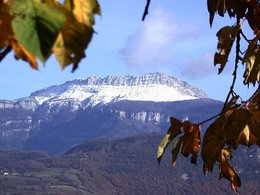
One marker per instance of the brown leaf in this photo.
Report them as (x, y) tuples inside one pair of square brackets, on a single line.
[(212, 7), (230, 7), (252, 71), (226, 37), (254, 126), (221, 7), (6, 35), (191, 140), (212, 145), (228, 172), (235, 124), (231, 103), (253, 16)]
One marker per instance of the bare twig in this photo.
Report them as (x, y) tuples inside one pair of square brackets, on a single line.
[(146, 9), (231, 90)]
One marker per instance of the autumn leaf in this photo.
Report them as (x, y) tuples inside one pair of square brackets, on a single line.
[(252, 71), (231, 103), (78, 31), (221, 7), (84, 11), (212, 7), (191, 140), (173, 131), (22, 53), (6, 35), (212, 145), (228, 172), (70, 45), (36, 26), (175, 149), (226, 154), (8, 38), (226, 37), (254, 125), (235, 126), (253, 16)]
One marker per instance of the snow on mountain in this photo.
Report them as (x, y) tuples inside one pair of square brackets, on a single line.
[(91, 91)]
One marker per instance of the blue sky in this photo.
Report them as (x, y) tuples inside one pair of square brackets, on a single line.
[(175, 39)]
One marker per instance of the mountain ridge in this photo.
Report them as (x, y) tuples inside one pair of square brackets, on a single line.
[(54, 118), (149, 87)]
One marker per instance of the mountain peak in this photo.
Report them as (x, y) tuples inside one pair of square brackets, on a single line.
[(158, 87)]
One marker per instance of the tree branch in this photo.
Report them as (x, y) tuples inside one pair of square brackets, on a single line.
[(146, 10), (231, 90), (5, 52)]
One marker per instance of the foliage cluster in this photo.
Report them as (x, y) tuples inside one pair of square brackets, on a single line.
[(239, 122), (35, 29)]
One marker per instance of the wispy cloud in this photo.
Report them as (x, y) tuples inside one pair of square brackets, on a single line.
[(201, 66), (153, 44)]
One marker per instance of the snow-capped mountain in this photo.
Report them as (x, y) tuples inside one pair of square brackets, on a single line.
[(111, 107), (157, 87)]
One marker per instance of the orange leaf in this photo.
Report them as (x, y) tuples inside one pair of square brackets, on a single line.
[(22, 53)]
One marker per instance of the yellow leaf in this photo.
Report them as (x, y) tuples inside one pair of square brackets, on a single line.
[(77, 33), (226, 154), (175, 149), (172, 132), (84, 11), (72, 42)]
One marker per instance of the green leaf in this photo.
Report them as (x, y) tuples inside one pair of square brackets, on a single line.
[(176, 149), (36, 25), (162, 146)]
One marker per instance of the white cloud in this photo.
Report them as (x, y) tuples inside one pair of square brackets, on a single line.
[(195, 68), (153, 44)]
